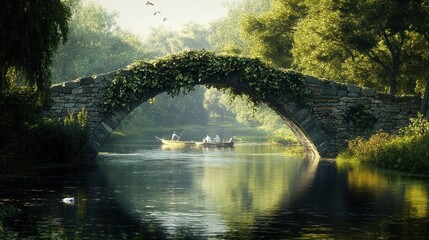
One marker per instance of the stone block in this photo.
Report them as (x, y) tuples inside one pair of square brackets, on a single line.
[(367, 92), (98, 78), (77, 90), (331, 91), (57, 89), (312, 80), (86, 81), (351, 88), (70, 85)]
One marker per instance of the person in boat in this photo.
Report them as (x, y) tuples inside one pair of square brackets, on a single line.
[(217, 139), (175, 137), (207, 139)]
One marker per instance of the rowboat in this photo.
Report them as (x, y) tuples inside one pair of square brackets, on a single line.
[(214, 144), (175, 142)]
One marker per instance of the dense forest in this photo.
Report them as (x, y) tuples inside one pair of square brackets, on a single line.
[(379, 44)]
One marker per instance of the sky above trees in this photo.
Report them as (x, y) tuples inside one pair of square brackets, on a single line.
[(139, 16)]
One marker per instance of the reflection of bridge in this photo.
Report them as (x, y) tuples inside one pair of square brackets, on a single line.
[(331, 114)]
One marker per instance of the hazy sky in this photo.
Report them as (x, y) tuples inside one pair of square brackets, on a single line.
[(139, 17)]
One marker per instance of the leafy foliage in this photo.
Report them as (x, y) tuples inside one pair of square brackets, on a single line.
[(271, 33), (164, 41), (30, 32), (95, 44), (405, 152), (418, 126), (228, 35), (179, 73), (28, 140)]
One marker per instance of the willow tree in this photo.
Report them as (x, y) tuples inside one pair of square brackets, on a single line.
[(30, 32)]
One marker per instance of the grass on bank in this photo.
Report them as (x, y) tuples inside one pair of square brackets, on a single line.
[(406, 151)]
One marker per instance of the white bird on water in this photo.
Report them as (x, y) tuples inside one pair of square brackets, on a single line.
[(68, 200)]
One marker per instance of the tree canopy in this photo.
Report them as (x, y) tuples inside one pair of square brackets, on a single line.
[(371, 43), (96, 44), (30, 32)]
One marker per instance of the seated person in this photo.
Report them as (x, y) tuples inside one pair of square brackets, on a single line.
[(207, 139)]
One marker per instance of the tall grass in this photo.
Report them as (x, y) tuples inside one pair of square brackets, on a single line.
[(28, 140), (406, 151)]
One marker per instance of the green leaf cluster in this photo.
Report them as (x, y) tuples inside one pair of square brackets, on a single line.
[(29, 140), (96, 44), (180, 73), (405, 151), (30, 32)]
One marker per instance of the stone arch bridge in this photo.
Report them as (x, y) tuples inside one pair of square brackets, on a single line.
[(331, 115)]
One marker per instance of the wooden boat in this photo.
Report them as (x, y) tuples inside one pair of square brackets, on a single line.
[(214, 144), (176, 142)]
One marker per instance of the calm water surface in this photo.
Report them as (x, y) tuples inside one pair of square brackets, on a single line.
[(145, 191)]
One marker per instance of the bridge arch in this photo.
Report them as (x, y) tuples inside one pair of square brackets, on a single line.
[(316, 110)]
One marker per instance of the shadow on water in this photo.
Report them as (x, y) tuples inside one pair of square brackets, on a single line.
[(31, 207)]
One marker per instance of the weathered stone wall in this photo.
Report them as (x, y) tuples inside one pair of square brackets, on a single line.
[(330, 101), (320, 124), (75, 95)]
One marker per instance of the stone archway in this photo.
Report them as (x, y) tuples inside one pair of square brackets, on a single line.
[(316, 110)]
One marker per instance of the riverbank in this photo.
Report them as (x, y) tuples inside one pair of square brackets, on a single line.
[(405, 152)]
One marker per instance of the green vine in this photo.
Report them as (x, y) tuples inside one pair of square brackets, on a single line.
[(180, 73)]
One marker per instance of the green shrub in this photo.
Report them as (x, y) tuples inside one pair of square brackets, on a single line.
[(417, 127), (406, 151), (28, 140), (60, 142)]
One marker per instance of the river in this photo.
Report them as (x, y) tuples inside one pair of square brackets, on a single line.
[(142, 190)]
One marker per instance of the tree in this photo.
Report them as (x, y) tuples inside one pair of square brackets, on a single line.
[(420, 23), (212, 102), (163, 111), (362, 41), (30, 32), (270, 34), (95, 45), (377, 29), (227, 35), (164, 41), (316, 53)]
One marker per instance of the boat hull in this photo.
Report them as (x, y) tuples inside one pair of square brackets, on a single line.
[(219, 145), (176, 142)]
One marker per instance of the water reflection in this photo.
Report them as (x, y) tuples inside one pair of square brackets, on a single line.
[(413, 192), (31, 207), (249, 192)]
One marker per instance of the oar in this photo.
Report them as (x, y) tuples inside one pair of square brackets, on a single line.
[(181, 135)]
